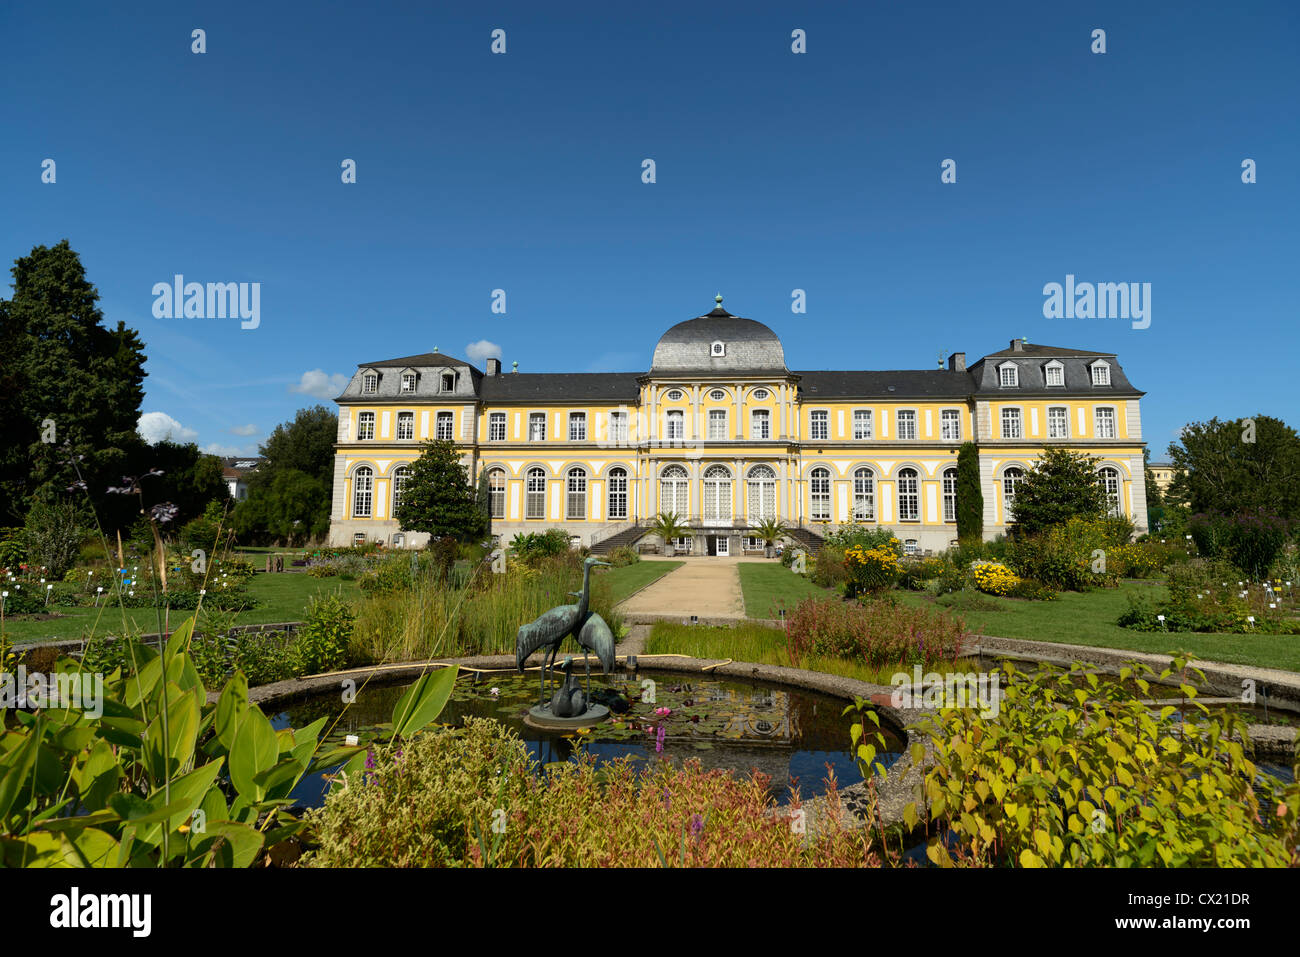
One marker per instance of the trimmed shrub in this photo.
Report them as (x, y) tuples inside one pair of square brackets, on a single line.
[(322, 643), (875, 632)]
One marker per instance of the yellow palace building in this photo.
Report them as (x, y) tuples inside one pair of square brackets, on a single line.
[(721, 432)]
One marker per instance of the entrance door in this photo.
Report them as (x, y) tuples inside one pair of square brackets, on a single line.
[(712, 546), (722, 546)]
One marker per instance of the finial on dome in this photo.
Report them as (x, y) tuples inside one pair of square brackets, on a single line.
[(514, 367), (435, 348), (718, 299)]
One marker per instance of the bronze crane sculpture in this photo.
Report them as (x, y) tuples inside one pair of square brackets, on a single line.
[(552, 627)]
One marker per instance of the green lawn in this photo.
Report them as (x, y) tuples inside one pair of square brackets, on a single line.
[(1074, 618), (770, 585), (630, 578), (283, 598)]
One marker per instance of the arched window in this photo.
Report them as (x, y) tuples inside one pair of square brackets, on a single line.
[(760, 424), (673, 491), (909, 496), (1011, 477), (497, 493), (762, 494), (819, 490), (864, 495), (405, 425), (535, 504), (717, 495), (1109, 479), (401, 475), (618, 493), (363, 491), (950, 495), (577, 503)]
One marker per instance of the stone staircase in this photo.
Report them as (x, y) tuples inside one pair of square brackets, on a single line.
[(806, 539), (628, 536)]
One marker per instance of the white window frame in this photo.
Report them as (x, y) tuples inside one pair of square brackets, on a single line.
[(409, 379), (861, 416), (909, 494), (401, 475), (369, 382), (1012, 413), (575, 501), (864, 494), (755, 417), (819, 494), (363, 484), (717, 348), (536, 434), (1100, 372), (578, 419), (618, 427), (1003, 369), (1057, 367), (1064, 418), (760, 394), (947, 416), (675, 479), (760, 493), (949, 487), (409, 419), (675, 425), (898, 424), (818, 417), (365, 419), (497, 493), (616, 484), (718, 395), (1111, 416), (1107, 475), (674, 395), (442, 381), (535, 493), (449, 419), (717, 416), (1009, 483), (496, 419)]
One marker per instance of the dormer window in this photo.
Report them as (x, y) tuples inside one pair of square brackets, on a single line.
[(370, 383), (449, 382), (408, 381), (717, 349), (1101, 373), (1008, 375), (1054, 373)]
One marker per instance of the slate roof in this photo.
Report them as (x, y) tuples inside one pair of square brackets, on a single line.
[(561, 387), (428, 385), (905, 383), (1032, 377), (750, 347)]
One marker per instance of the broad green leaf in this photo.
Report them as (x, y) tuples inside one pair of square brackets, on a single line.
[(423, 701), (255, 750), (231, 707)]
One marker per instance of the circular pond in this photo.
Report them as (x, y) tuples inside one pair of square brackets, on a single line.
[(789, 734)]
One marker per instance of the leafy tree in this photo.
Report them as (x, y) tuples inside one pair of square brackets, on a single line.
[(438, 497), (62, 367), (1220, 468), (1059, 486), (289, 494), (1155, 497), (52, 536), (970, 498)]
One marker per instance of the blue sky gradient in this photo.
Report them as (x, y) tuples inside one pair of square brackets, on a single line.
[(775, 171)]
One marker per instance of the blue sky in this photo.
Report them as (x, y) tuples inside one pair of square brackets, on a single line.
[(775, 171)]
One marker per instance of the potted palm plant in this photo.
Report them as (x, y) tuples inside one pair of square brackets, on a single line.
[(668, 526), (770, 530)]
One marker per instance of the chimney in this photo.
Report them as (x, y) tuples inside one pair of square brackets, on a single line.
[(494, 366), (957, 362), (1017, 345)]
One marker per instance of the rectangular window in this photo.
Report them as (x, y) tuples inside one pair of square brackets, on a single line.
[(537, 427), (497, 427), (1105, 423), (445, 428), (1055, 375), (820, 425), (408, 381), (1011, 424), (760, 425), (1058, 422), (618, 426), (950, 425), (366, 425), (405, 425), (577, 427), (1101, 374), (1007, 377), (370, 383), (862, 423), (717, 424), (676, 425), (906, 424)]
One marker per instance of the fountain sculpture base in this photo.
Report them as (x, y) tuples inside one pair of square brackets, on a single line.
[(540, 716)]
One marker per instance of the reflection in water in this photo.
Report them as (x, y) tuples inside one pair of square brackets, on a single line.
[(789, 735)]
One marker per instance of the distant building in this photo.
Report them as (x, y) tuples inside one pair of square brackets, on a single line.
[(721, 432), (1162, 473), (235, 472)]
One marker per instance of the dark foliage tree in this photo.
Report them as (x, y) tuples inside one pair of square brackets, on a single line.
[(438, 497), (289, 494), (970, 499), (1059, 486), (63, 376), (1237, 467)]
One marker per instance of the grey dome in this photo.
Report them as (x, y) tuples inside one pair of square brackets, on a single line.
[(749, 346)]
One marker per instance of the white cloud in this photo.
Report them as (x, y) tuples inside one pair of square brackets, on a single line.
[(319, 385), (156, 426), (249, 429), (476, 352), (230, 451)]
